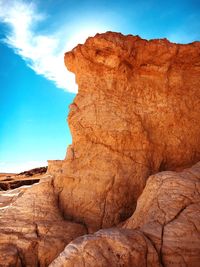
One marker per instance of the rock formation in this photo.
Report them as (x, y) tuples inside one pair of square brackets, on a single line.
[(12, 181), (111, 247), (132, 167), (32, 229), (163, 231), (137, 113)]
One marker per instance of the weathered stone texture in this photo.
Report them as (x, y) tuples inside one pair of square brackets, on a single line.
[(137, 112), (32, 229), (136, 115), (163, 231)]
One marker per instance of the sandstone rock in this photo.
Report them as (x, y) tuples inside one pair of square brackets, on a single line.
[(112, 247), (168, 212), (137, 112), (10, 257), (12, 180), (54, 167), (32, 229), (13, 183), (163, 231), (35, 171)]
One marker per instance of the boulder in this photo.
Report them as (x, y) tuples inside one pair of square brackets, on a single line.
[(111, 247)]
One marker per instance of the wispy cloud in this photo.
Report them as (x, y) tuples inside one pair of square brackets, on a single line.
[(42, 53)]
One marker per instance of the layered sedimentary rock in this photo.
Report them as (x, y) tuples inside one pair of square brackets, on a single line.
[(163, 231), (137, 112), (12, 180)]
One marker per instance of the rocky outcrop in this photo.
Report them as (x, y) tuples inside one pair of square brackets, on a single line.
[(136, 133), (137, 113), (12, 181), (35, 171), (32, 229), (163, 231)]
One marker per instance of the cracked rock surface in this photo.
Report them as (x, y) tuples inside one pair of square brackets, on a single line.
[(110, 247), (137, 113), (32, 229), (163, 231), (128, 192)]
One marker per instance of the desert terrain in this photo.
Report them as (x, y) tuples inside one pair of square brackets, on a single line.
[(128, 191)]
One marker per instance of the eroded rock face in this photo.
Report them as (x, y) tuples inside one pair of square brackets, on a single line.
[(32, 229), (137, 113), (163, 231)]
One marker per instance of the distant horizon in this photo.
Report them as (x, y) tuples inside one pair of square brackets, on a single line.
[(36, 88)]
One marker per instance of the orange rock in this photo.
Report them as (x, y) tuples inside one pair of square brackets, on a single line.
[(137, 112), (163, 231)]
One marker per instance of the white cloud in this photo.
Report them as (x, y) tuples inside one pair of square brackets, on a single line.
[(16, 167), (42, 53)]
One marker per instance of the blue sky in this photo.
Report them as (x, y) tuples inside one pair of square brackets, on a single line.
[(35, 87)]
